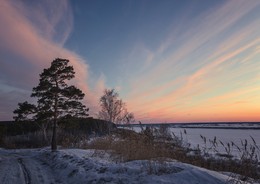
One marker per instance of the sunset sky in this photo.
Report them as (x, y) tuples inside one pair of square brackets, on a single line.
[(170, 61)]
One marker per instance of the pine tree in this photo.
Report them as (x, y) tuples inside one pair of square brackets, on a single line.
[(57, 99), (23, 111)]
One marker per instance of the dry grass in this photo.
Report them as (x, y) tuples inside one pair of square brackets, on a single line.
[(156, 144), (129, 146)]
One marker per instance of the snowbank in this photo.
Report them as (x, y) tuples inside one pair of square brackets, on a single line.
[(92, 166)]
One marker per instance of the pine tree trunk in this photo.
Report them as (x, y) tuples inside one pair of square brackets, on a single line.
[(54, 137), (54, 132)]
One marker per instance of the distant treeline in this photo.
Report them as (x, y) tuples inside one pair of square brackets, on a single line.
[(85, 126)]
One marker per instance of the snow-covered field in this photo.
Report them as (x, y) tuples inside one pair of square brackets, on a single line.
[(41, 166), (193, 136), (218, 125), (225, 135)]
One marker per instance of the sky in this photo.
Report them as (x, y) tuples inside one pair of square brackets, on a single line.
[(170, 60)]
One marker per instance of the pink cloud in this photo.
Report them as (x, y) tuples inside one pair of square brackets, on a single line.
[(30, 35), (197, 86), (206, 27)]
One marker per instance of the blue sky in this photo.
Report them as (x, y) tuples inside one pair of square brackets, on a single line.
[(106, 33), (171, 61)]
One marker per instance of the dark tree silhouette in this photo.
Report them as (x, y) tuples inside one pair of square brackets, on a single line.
[(56, 99), (23, 111), (114, 109)]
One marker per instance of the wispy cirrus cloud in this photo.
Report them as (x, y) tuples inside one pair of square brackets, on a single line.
[(209, 62), (203, 67), (32, 35)]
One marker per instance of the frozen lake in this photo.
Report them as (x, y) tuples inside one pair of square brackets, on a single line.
[(193, 136), (225, 135)]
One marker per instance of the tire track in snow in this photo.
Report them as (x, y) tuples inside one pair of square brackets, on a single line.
[(25, 167), (26, 174), (10, 170)]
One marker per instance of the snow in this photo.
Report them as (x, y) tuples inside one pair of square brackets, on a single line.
[(244, 125), (193, 137), (95, 166)]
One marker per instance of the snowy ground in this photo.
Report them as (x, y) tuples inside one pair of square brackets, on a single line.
[(225, 135), (41, 166), (193, 137)]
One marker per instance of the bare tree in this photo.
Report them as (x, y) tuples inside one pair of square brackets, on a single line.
[(113, 109)]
